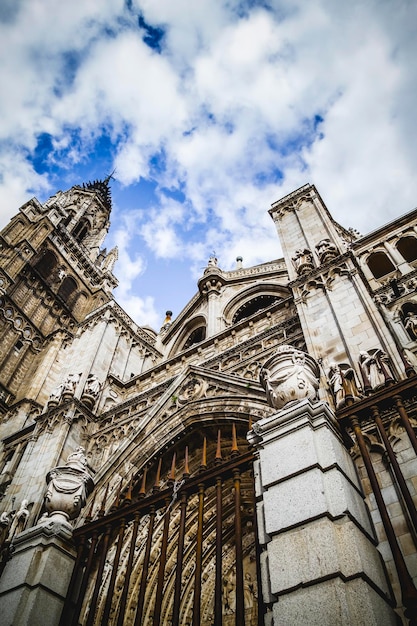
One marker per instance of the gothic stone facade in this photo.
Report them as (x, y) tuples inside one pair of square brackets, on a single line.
[(77, 372)]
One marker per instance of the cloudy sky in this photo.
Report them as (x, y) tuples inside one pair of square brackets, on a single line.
[(209, 111)]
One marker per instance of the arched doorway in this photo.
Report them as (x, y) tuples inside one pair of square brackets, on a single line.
[(178, 545)]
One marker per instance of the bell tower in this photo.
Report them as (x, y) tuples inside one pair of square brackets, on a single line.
[(53, 272)]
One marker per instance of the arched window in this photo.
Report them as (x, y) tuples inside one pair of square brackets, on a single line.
[(81, 230), (67, 288), (46, 264), (197, 336), (253, 306), (380, 264), (407, 247)]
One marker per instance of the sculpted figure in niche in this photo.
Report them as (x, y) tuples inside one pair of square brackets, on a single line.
[(410, 324), (4, 527), (56, 393), (19, 521), (342, 382), (70, 383), (92, 385), (303, 261), (326, 250), (375, 369)]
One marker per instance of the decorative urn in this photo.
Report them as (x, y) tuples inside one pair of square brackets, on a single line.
[(289, 375)]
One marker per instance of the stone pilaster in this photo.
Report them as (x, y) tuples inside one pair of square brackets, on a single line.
[(35, 581), (320, 565)]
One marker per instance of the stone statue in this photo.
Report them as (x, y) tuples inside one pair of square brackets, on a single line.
[(248, 592), (410, 324), (70, 383), (92, 385), (342, 381), (19, 520), (212, 262), (326, 250), (56, 393), (335, 378), (289, 375), (77, 458), (375, 369), (4, 527), (303, 261)]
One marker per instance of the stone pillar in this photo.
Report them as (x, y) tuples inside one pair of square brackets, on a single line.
[(319, 564), (35, 581)]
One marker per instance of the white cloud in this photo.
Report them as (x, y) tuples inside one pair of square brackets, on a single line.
[(230, 105)]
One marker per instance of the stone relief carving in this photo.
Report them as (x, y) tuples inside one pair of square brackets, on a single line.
[(289, 375), (193, 389), (68, 487)]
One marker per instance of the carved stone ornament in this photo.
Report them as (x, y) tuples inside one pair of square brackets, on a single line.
[(303, 261), (288, 376), (91, 390), (68, 487), (326, 250)]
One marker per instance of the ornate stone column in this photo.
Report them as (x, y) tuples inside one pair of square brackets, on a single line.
[(319, 563)]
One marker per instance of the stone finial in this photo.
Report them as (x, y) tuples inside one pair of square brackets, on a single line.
[(167, 322), (68, 487), (289, 375)]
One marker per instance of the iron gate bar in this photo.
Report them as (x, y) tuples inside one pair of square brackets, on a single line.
[(103, 553), (408, 591), (218, 614), (395, 466), (240, 604), (155, 499), (405, 421), (180, 555), (84, 581), (162, 563), (91, 543), (123, 599), (385, 397), (109, 598), (145, 568), (198, 557)]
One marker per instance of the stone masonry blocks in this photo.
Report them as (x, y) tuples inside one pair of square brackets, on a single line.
[(334, 603), (321, 549), (313, 494)]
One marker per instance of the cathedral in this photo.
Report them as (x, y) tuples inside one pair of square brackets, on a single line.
[(252, 462)]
